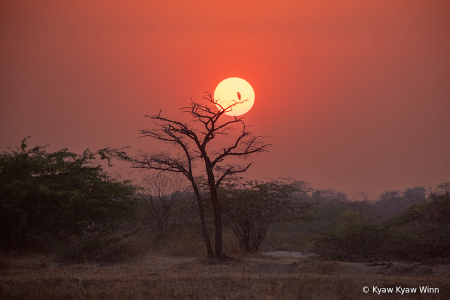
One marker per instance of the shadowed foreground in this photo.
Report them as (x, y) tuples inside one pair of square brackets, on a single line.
[(255, 277)]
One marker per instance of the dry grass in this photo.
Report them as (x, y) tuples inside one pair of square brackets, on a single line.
[(173, 266), (182, 277)]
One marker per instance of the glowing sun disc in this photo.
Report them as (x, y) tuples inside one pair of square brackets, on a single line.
[(229, 91)]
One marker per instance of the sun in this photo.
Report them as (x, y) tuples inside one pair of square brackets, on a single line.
[(234, 90)]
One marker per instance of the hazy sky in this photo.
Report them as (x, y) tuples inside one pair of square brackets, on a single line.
[(353, 95)]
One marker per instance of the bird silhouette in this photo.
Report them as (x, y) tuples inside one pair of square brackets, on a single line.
[(239, 96)]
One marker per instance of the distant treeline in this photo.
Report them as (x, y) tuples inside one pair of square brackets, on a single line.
[(68, 204), (413, 226)]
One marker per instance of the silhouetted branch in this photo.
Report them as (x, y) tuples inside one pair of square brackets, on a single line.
[(193, 145), (231, 170)]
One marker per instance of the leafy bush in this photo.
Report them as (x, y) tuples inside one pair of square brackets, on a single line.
[(357, 242), (99, 247), (428, 225), (248, 210), (58, 195), (419, 234), (350, 217)]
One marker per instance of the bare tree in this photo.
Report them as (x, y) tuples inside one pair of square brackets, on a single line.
[(194, 143), (361, 196), (160, 192)]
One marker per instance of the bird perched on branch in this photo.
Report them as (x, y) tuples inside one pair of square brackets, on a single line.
[(239, 96)]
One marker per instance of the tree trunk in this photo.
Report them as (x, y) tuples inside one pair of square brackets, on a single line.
[(202, 221), (218, 226), (217, 213)]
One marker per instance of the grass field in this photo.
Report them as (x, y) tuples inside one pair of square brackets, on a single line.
[(155, 276)]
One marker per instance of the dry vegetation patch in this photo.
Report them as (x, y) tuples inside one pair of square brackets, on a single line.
[(249, 277)]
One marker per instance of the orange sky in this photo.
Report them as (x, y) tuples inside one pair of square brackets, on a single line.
[(353, 94)]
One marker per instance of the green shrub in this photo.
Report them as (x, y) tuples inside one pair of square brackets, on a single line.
[(429, 226), (58, 195), (356, 242), (421, 233)]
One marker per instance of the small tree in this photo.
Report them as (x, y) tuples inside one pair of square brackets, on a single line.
[(389, 203), (194, 142), (59, 194), (249, 209), (160, 192)]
